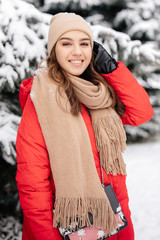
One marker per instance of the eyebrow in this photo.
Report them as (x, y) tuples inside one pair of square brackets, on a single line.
[(70, 39)]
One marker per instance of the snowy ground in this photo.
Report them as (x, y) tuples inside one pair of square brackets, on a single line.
[(143, 180)]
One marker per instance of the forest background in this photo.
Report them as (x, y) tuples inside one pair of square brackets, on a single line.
[(128, 29)]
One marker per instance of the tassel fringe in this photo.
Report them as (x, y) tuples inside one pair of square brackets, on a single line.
[(75, 213), (111, 142)]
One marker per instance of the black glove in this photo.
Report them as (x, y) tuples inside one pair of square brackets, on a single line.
[(104, 63)]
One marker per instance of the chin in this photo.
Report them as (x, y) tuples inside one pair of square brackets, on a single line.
[(77, 74)]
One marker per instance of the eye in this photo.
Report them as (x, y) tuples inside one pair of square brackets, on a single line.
[(66, 44), (85, 44)]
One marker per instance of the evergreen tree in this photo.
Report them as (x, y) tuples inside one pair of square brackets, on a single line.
[(23, 39)]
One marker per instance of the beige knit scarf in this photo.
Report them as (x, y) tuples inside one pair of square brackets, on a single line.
[(78, 188)]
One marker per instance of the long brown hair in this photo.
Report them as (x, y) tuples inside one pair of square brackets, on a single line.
[(61, 78)]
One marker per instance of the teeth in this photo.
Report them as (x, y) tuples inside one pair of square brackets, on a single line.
[(76, 61)]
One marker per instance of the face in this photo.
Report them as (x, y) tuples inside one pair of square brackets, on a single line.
[(73, 52)]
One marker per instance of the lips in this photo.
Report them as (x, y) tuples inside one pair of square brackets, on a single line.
[(76, 62)]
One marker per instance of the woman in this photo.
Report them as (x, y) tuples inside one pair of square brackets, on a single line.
[(72, 116)]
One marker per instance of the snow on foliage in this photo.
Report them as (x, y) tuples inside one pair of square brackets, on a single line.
[(82, 3), (22, 42), (145, 57), (8, 130), (24, 39), (141, 19), (11, 228)]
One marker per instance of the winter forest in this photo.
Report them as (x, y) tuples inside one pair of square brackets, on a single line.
[(130, 31)]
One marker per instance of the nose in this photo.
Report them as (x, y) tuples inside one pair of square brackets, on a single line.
[(76, 49)]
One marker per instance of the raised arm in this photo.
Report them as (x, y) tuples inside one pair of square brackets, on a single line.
[(132, 94)]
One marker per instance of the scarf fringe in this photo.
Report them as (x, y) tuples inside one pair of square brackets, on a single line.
[(111, 142), (75, 211)]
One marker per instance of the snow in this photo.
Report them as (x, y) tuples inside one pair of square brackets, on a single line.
[(154, 81), (112, 40), (8, 131), (24, 33), (10, 227), (143, 181), (142, 27), (83, 2), (141, 18)]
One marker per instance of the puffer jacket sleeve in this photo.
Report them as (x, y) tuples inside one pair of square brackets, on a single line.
[(132, 94), (34, 179)]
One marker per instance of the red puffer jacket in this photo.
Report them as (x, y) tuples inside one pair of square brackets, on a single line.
[(34, 178)]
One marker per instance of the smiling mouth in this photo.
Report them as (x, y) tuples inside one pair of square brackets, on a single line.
[(77, 62)]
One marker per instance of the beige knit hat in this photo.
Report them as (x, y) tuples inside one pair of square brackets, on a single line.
[(65, 22)]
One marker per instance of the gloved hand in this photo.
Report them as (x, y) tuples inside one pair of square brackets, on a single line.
[(104, 63)]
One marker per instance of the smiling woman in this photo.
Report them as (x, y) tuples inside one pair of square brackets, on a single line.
[(73, 52), (73, 114)]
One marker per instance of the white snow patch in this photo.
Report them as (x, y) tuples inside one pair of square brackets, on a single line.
[(143, 181)]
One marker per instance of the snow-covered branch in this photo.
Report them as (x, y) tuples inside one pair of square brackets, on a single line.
[(24, 32), (123, 48), (8, 130), (141, 20), (24, 39)]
